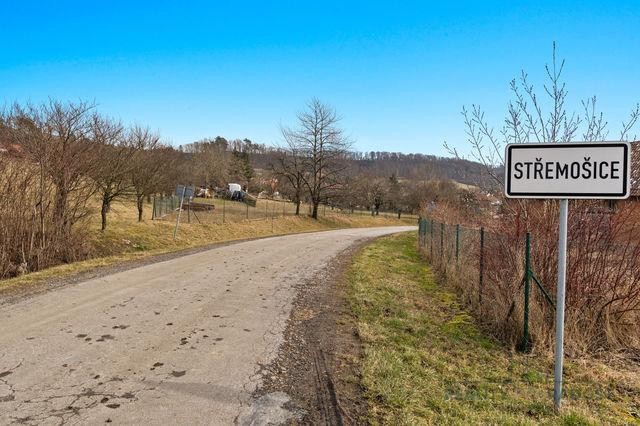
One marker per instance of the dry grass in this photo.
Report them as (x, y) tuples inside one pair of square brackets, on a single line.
[(266, 208), (127, 239), (427, 362), (603, 284)]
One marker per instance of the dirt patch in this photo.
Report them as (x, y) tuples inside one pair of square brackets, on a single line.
[(318, 364)]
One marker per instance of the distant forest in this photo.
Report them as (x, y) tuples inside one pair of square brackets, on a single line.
[(386, 164)]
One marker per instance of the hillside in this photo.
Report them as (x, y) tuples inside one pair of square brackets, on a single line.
[(408, 166)]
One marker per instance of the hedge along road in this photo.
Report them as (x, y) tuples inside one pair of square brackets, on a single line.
[(181, 341)]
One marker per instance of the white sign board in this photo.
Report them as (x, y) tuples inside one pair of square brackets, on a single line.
[(568, 170)]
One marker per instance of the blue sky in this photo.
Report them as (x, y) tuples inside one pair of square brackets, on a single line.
[(398, 72)]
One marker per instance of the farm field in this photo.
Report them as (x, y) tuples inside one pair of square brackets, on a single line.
[(126, 239)]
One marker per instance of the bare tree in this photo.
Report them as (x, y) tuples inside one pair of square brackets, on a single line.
[(532, 118), (371, 192), (114, 162), (290, 166), (593, 235), (55, 136), (147, 172), (211, 161), (323, 147)]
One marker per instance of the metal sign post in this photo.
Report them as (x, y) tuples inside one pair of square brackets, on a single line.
[(566, 171), (184, 189), (183, 192), (560, 296)]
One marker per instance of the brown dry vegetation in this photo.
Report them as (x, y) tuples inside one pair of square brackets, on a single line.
[(603, 276), (30, 237), (127, 238)]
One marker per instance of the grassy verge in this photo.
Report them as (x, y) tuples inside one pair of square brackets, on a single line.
[(127, 239), (426, 362)]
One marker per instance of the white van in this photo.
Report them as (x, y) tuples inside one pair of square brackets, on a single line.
[(233, 187)]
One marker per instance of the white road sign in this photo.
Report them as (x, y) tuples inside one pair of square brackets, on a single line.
[(564, 171), (568, 170)]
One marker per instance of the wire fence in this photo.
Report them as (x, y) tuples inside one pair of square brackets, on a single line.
[(221, 210), (383, 213), (494, 275), (164, 205)]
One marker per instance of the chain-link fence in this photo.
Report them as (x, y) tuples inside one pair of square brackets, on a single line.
[(221, 210), (494, 275), (363, 212), (164, 206)]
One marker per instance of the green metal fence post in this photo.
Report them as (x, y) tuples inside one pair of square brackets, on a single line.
[(431, 232), (457, 242), (224, 202), (425, 223), (527, 285), (441, 241), (481, 266), (153, 211)]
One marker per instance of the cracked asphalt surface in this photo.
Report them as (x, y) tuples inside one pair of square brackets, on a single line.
[(179, 341)]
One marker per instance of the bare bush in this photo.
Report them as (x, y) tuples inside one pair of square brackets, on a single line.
[(45, 188), (290, 168), (114, 155), (603, 304), (147, 173)]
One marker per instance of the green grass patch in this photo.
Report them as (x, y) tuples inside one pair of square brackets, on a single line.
[(426, 362)]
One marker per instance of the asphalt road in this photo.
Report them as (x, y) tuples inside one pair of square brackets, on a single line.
[(175, 342)]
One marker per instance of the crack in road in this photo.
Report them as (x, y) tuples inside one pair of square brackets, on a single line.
[(181, 341)]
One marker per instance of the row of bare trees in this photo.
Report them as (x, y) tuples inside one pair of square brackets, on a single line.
[(68, 161), (64, 156), (391, 194), (316, 165)]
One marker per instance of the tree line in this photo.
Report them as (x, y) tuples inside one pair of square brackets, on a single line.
[(60, 162), (61, 159)]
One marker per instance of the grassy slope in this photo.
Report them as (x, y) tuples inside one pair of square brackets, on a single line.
[(426, 362), (127, 239)]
